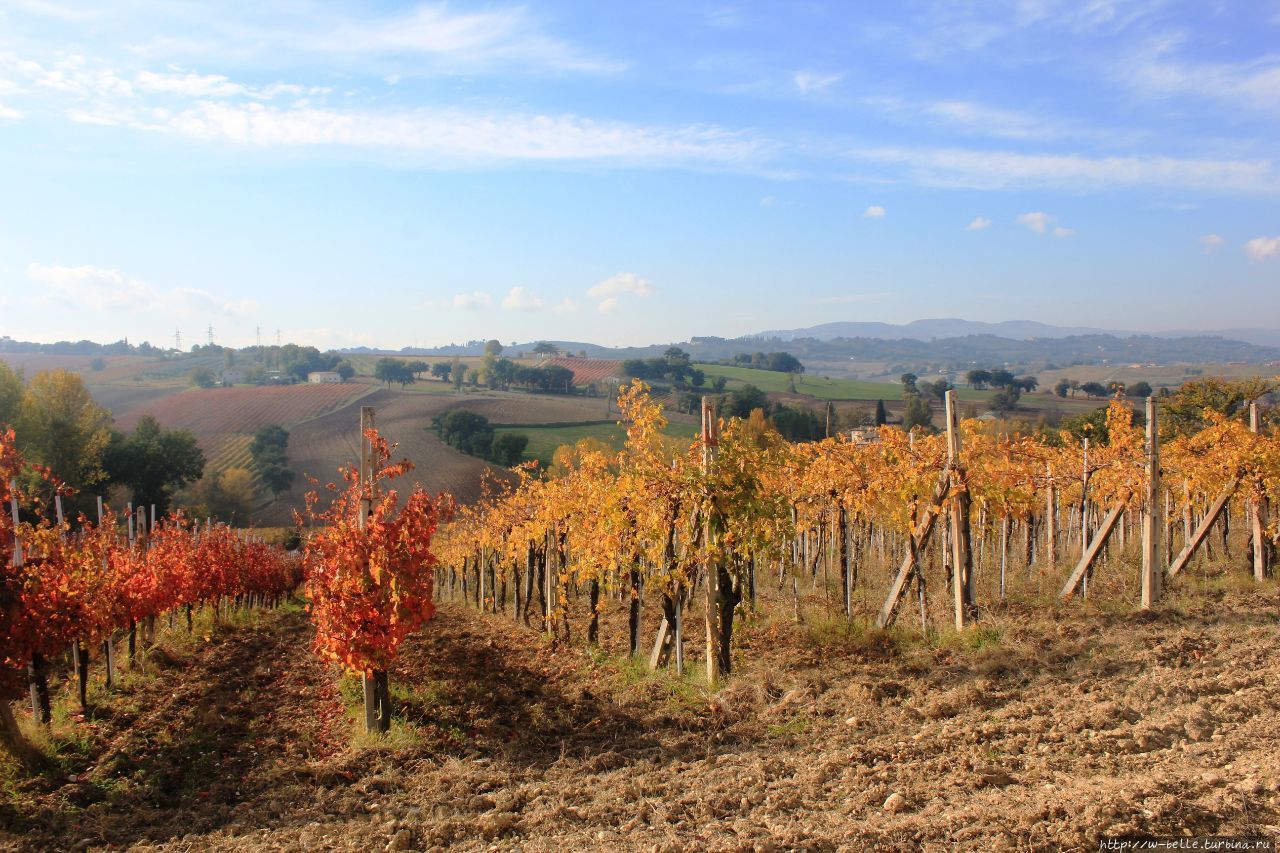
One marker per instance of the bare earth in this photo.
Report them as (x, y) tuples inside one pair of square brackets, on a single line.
[(1047, 734)]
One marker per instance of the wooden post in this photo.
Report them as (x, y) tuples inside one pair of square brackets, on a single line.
[(961, 550), (711, 575), (1258, 511), (915, 543), (1153, 517), (1093, 548)]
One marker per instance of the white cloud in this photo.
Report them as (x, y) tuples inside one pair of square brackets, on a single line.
[(979, 223), (875, 211), (456, 41), (188, 85), (1157, 71), (566, 306), (768, 201), (519, 299), (1211, 242), (811, 81), (1060, 231), (475, 299), (986, 169), (9, 113), (1037, 221), (1260, 248), (607, 292), (106, 290)]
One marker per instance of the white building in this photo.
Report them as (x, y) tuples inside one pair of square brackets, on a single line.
[(324, 377)]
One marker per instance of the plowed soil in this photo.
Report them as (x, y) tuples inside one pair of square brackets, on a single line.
[(1038, 730)]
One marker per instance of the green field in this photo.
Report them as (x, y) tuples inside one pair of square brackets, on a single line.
[(822, 387), (544, 440)]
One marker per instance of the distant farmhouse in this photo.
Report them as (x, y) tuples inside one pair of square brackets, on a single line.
[(324, 377)]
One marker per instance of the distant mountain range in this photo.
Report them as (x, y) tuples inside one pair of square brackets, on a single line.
[(1018, 330)]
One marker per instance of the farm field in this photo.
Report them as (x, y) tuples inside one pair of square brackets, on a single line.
[(821, 387), (587, 370), (1043, 731), (544, 440), (318, 446)]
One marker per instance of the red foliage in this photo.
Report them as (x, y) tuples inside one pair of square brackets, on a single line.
[(370, 587)]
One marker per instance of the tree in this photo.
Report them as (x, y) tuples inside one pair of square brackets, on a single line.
[(202, 377), (908, 383), (493, 348), (1062, 388), (228, 495), (11, 390), (153, 463), (1139, 389), (269, 451), (739, 403), (1094, 389), (916, 413), (345, 370), (390, 370), (546, 349), (1001, 379), (978, 378), (440, 370), (718, 383), (508, 449), (1026, 383), (98, 364), (417, 368), (466, 431), (881, 416), (458, 372), (1006, 399), (1182, 412), (60, 426)]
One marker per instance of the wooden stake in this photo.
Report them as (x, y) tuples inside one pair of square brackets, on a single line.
[(1092, 550), (1153, 517), (1050, 519), (1202, 531)]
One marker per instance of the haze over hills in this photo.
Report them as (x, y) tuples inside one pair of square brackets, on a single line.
[(925, 330)]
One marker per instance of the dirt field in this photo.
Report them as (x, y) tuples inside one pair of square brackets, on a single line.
[(1041, 730)]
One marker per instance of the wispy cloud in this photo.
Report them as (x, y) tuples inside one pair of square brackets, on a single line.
[(462, 41), (811, 81), (986, 169), (979, 223), (1040, 222), (105, 290), (875, 211), (1159, 71), (566, 306), (607, 294), (520, 299), (473, 300), (1261, 248), (1211, 242)]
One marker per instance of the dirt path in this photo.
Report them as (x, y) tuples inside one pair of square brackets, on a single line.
[(1034, 734)]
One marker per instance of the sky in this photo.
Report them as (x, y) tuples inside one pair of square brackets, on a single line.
[(415, 174)]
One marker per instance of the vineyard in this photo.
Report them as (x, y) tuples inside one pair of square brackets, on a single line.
[(586, 371), (899, 640)]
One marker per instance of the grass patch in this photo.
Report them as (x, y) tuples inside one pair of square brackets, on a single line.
[(820, 387), (545, 440), (972, 639), (788, 728)]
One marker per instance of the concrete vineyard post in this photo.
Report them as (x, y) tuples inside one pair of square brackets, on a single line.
[(961, 547), (710, 574), (1258, 512), (1153, 517)]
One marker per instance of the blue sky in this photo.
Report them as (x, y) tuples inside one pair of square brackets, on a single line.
[(419, 173)]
